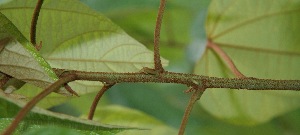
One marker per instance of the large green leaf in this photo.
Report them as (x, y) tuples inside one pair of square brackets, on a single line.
[(76, 37), (262, 38), (38, 118), (20, 59)]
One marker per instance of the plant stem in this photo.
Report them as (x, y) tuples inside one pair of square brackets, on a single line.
[(226, 58), (157, 60), (97, 98), (34, 20), (35, 100), (249, 83), (195, 96)]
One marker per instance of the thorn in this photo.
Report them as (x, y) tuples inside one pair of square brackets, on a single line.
[(108, 84), (150, 71), (38, 47), (191, 89), (69, 89)]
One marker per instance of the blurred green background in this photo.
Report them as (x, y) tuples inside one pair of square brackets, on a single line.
[(182, 43)]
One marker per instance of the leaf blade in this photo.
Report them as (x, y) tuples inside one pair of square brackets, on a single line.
[(38, 117), (81, 39), (20, 59), (261, 39)]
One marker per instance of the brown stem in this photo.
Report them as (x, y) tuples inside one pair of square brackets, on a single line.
[(34, 20), (226, 58), (157, 60), (196, 96), (35, 100), (97, 98), (249, 83)]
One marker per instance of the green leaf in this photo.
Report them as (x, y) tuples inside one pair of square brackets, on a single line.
[(30, 91), (118, 115), (20, 59), (76, 37), (50, 130), (38, 118), (262, 39)]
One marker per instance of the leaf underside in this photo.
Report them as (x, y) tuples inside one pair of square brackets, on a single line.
[(78, 38), (262, 39)]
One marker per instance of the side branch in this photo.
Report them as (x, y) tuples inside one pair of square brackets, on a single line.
[(249, 83), (157, 60), (226, 58), (97, 98), (196, 96)]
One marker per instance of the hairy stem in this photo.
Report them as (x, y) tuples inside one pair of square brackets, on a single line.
[(249, 83), (34, 20), (226, 58), (195, 96), (35, 100), (157, 60), (97, 98)]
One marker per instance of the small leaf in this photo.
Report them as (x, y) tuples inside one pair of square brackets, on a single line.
[(262, 38), (38, 118), (19, 63)]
